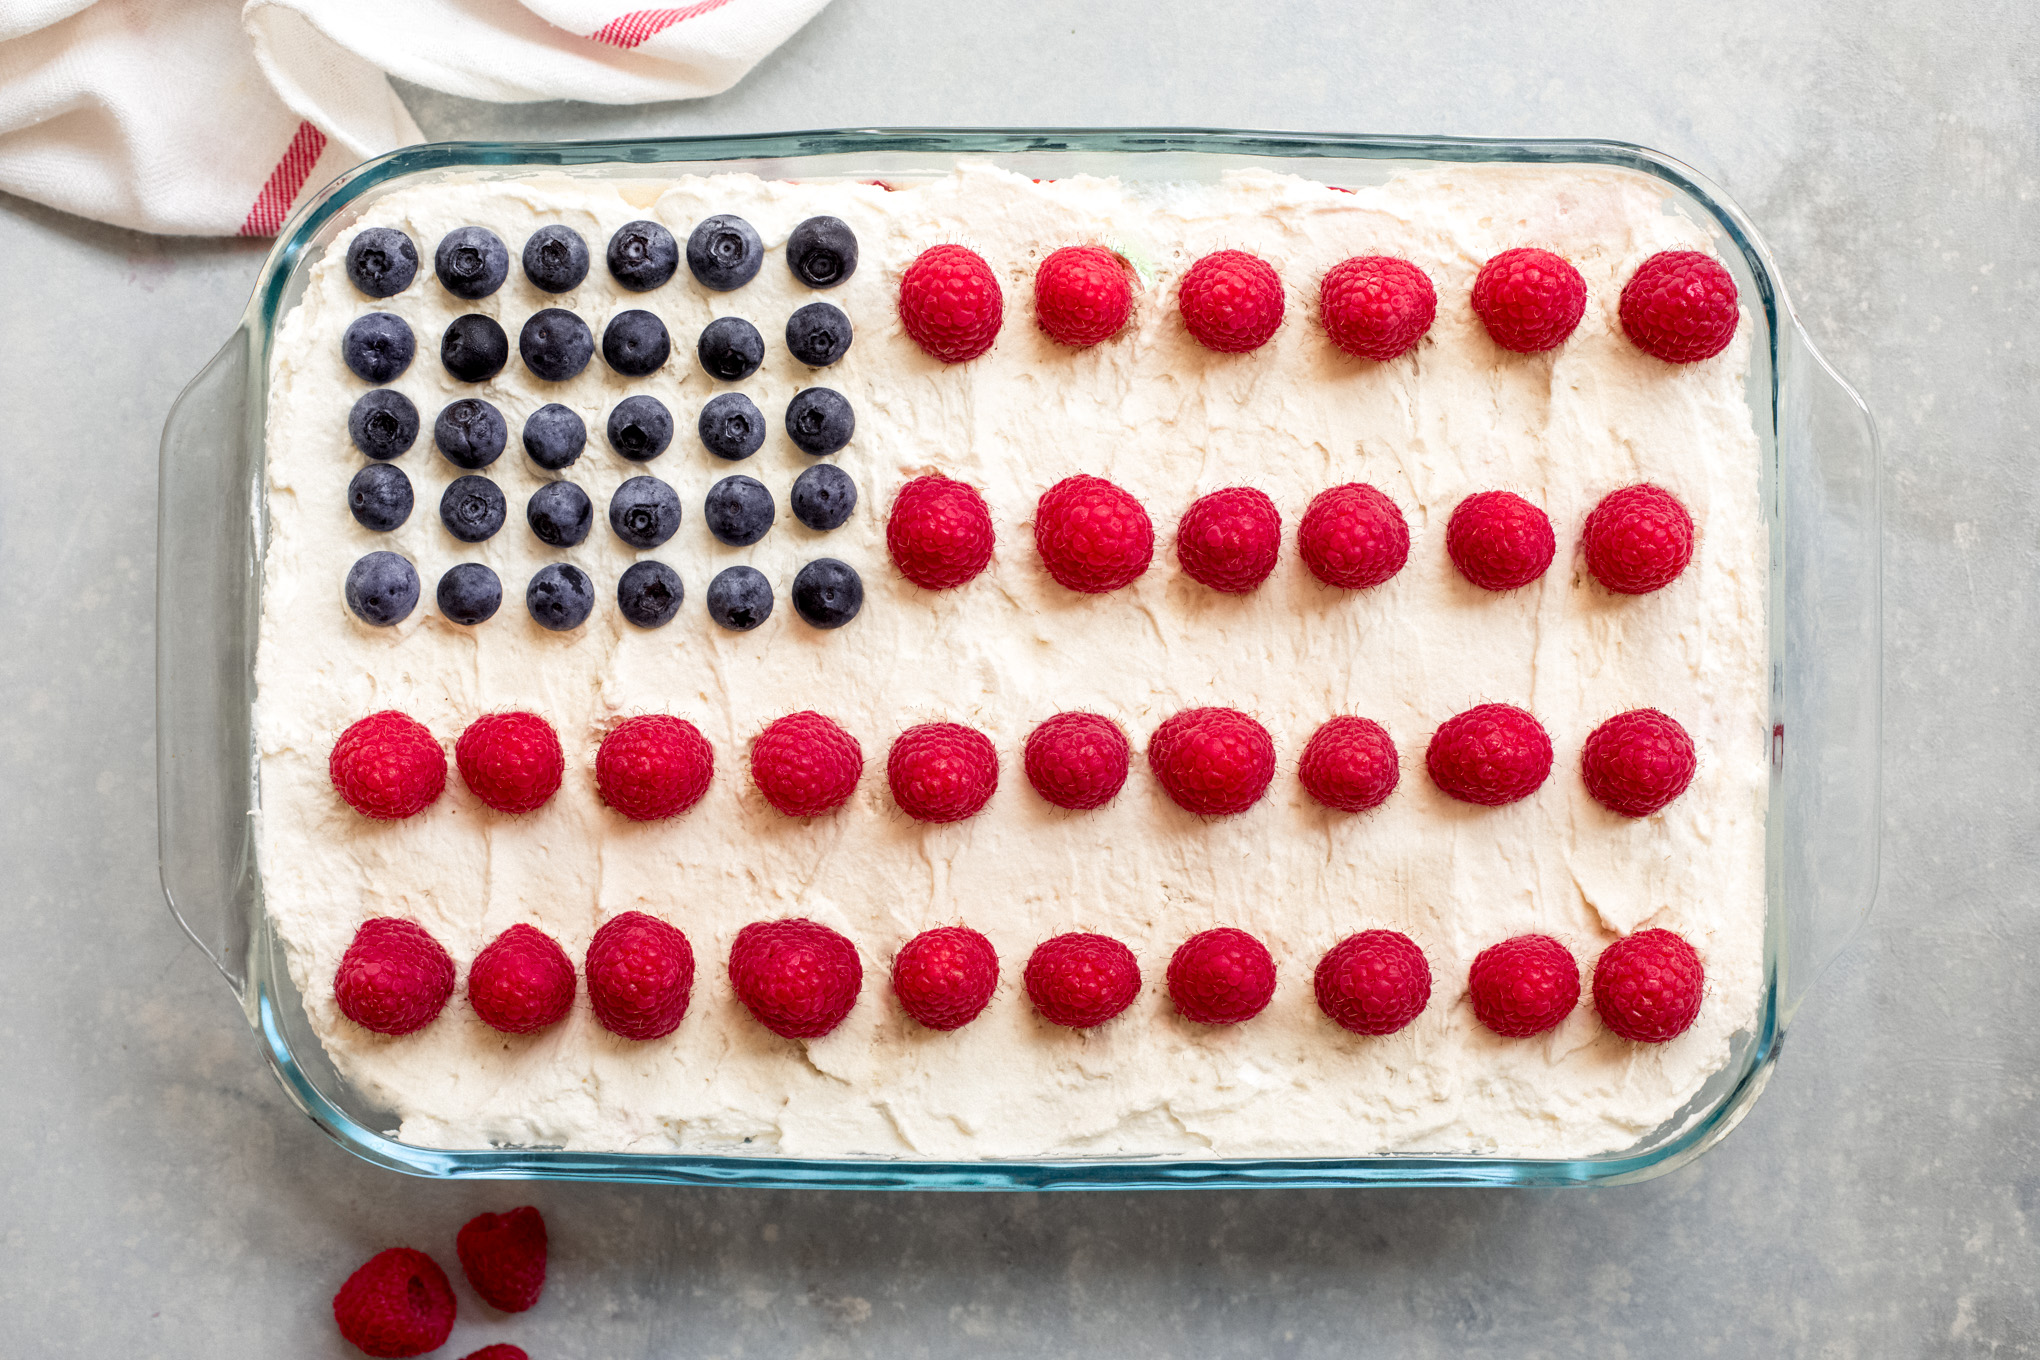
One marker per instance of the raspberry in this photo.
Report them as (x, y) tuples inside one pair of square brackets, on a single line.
[(640, 976), (1638, 539), (1350, 765), (399, 1303), (653, 766), (1636, 762), (388, 766), (512, 761), (1523, 986), (1530, 300), (1353, 537), (939, 532), (1079, 980), (942, 772), (798, 978), (1500, 541), (1082, 295), (805, 764), (1229, 540), (950, 303), (1374, 982), (1078, 760), (1376, 307), (1221, 977), (945, 977), (521, 982), (1490, 755), (1647, 986), (1680, 305), (394, 977), (1231, 301), (1212, 761), (1092, 535), (502, 1350), (503, 1257)]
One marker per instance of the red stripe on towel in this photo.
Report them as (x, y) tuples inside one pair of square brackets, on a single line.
[(272, 205), (633, 28)]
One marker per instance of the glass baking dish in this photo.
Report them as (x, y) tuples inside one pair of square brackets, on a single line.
[(1819, 481)]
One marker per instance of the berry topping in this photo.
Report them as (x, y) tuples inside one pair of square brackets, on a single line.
[(730, 349), (636, 344), (1637, 539), (1353, 537), (828, 592), (1490, 755), (797, 977), (1499, 541), (1350, 765), (470, 433), (394, 978), (1523, 986), (1637, 762), (731, 427), (555, 259), (649, 594), (503, 1257), (381, 261), (939, 532), (738, 511), (819, 421), (653, 766), (560, 514), (378, 347), (822, 252), (1078, 760), (1231, 301), (472, 508), (644, 512), (1080, 980), (554, 437), (1680, 305), (1082, 295), (521, 982), (1374, 982), (818, 334), (640, 976), (1092, 536), (555, 344), (470, 593), (1221, 977), (739, 598), (642, 255), (382, 588), (380, 497), (823, 497), (511, 761), (805, 764), (640, 428), (1376, 307), (942, 772), (945, 977), (1212, 761), (474, 348), (1229, 540), (950, 303), (388, 766), (471, 262), (383, 424), (724, 252), (1647, 987), (560, 597), (398, 1304), (1530, 300)]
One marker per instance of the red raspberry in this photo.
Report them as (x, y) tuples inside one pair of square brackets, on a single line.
[(388, 766), (512, 761), (1500, 541), (942, 772), (521, 982), (950, 303), (798, 978), (1353, 537), (1376, 307), (503, 1257), (1530, 300), (1374, 982), (1083, 295), (1092, 535), (1221, 977), (1636, 762), (1490, 755), (805, 764), (1680, 305), (1350, 765), (399, 1303), (640, 976), (945, 977), (1231, 301), (1212, 761), (394, 978), (1079, 980), (653, 766), (1638, 539), (1229, 540), (1078, 760), (502, 1350), (1647, 987), (939, 532), (1523, 986)]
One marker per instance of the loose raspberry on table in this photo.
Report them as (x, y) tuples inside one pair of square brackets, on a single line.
[(1647, 986), (398, 1303), (1374, 982), (1080, 980), (1637, 762), (1376, 306), (511, 761), (1212, 761), (653, 766), (805, 764), (1350, 764), (1092, 536), (1353, 537), (1229, 539), (1491, 755), (394, 978), (388, 766), (1680, 306), (1530, 300), (1082, 295), (797, 977), (945, 977), (501, 1350), (1231, 301), (942, 772), (1524, 986), (521, 982), (1638, 539), (640, 976), (1500, 541), (950, 303), (1078, 760), (1221, 977), (503, 1257), (939, 533)]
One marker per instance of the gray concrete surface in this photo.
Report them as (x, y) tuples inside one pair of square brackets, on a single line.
[(158, 1196)]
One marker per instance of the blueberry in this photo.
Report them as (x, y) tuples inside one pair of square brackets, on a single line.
[(472, 508), (828, 593), (383, 423), (378, 346), (649, 594), (470, 593), (645, 512), (635, 343), (560, 597), (730, 348), (471, 433), (818, 334), (555, 259), (380, 497), (474, 348), (554, 437), (822, 252), (640, 428), (471, 262), (823, 496), (382, 589), (381, 261), (738, 511), (740, 598), (643, 255), (560, 514), (724, 252), (556, 344), (819, 420), (731, 426)]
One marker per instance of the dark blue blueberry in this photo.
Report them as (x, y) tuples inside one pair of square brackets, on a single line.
[(560, 597), (645, 512), (740, 598), (560, 513), (731, 426), (640, 428), (724, 252), (738, 510), (730, 348), (380, 497), (643, 255), (378, 346), (556, 344), (472, 508), (822, 252), (635, 343), (555, 259), (649, 594), (471, 262), (382, 589), (381, 261), (828, 593), (474, 348), (823, 497), (554, 437), (470, 594), (383, 423), (818, 334), (819, 420), (471, 433)]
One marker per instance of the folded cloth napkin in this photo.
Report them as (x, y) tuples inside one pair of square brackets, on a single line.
[(212, 117)]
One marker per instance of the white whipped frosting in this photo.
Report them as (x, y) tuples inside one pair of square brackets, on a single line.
[(1168, 420)]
